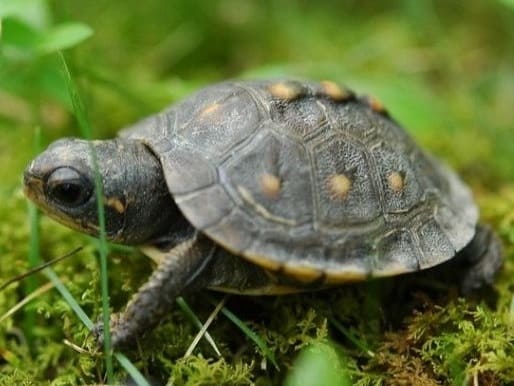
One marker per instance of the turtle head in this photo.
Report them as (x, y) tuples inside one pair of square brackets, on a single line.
[(137, 204)]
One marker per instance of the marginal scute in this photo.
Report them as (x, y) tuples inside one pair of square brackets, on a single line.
[(263, 261), (452, 223), (435, 245), (397, 253), (349, 274), (349, 261), (236, 231), (302, 273)]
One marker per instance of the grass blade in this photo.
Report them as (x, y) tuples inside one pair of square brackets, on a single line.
[(33, 295), (124, 362), (250, 334), (38, 268), (203, 329), (134, 373), (34, 253), (103, 250), (50, 274), (83, 122), (351, 337), (192, 316)]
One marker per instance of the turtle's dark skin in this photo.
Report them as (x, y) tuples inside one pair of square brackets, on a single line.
[(266, 187)]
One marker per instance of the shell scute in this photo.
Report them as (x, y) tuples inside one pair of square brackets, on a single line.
[(340, 157)]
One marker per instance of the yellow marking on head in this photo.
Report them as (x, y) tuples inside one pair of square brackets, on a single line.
[(396, 181), (270, 185), (339, 186), (285, 90), (115, 203), (210, 109), (334, 91)]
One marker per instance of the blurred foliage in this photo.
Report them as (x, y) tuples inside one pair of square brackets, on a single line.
[(318, 365), (445, 70)]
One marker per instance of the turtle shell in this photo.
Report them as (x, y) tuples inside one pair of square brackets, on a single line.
[(308, 180)]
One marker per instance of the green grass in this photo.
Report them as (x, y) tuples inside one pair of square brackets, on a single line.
[(85, 128), (443, 69)]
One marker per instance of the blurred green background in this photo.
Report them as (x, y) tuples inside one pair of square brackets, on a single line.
[(444, 69)]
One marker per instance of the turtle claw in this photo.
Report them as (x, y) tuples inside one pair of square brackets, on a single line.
[(117, 329)]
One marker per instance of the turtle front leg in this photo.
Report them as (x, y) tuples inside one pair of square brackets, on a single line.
[(480, 260), (175, 274)]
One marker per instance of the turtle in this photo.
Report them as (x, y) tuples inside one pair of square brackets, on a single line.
[(265, 187)]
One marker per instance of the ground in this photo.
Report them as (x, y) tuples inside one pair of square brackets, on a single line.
[(445, 71)]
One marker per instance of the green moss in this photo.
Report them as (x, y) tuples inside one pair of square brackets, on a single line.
[(196, 371), (451, 344)]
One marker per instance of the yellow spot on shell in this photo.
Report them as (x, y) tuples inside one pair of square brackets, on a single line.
[(376, 105), (270, 185), (334, 91), (396, 181), (285, 90), (210, 109), (115, 203), (339, 186)]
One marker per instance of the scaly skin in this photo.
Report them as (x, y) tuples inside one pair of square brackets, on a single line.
[(175, 274)]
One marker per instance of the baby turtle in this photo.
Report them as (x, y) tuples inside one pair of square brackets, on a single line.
[(265, 187)]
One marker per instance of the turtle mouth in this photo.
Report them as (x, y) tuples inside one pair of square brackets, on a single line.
[(33, 188)]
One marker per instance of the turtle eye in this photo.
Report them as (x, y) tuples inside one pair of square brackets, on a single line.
[(67, 187)]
